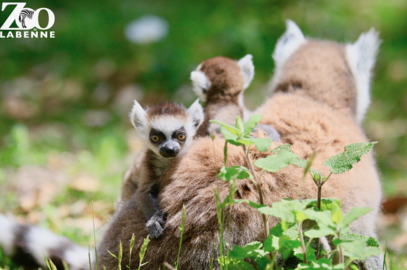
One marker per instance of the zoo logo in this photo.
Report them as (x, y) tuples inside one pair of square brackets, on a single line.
[(26, 18)]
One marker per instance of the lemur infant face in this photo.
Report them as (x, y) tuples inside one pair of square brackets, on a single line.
[(168, 144), (167, 129)]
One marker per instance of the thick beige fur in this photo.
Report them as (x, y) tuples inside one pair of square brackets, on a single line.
[(313, 109)]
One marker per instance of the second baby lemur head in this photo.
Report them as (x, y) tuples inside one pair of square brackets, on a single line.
[(167, 129)]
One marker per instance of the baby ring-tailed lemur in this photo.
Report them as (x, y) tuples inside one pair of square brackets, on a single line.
[(220, 83), (167, 131)]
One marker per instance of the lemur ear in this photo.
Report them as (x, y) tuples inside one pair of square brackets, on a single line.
[(200, 83), (288, 43), (137, 115), (247, 67), (361, 57), (196, 113)]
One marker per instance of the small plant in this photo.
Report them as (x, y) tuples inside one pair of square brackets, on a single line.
[(142, 252), (132, 240), (182, 234), (120, 256), (289, 238)]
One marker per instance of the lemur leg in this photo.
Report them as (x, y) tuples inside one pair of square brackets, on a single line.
[(148, 204)]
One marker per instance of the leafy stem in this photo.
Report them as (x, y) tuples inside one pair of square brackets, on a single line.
[(348, 264), (258, 186), (304, 249)]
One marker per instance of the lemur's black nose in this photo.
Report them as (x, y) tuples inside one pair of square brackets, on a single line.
[(169, 152)]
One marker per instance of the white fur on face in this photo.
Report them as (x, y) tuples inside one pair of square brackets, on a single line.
[(200, 83), (7, 234), (288, 43), (167, 124), (247, 67), (361, 56)]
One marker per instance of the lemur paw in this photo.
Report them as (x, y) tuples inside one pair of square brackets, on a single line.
[(269, 130), (155, 226)]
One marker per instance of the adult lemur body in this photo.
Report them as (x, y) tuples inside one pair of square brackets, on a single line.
[(321, 94)]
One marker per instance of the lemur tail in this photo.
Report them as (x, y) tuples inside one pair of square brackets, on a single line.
[(27, 245)]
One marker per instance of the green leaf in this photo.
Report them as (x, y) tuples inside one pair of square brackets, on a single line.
[(292, 232), (239, 123), (300, 216), (274, 163), (310, 254), (285, 209), (252, 204), (264, 209), (336, 214), (296, 161), (235, 172), (250, 250), (283, 147), (230, 128), (326, 203), (322, 218), (317, 233), (229, 137), (251, 123), (233, 264), (262, 144), (321, 264), (344, 161), (358, 250), (370, 241), (143, 250), (353, 214), (132, 240), (287, 246), (277, 230), (271, 243), (53, 267)]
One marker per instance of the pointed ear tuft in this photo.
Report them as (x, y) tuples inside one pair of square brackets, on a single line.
[(247, 67), (288, 43), (138, 116), (361, 57), (200, 84), (196, 113)]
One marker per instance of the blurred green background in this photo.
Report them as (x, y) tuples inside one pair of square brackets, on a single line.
[(64, 101)]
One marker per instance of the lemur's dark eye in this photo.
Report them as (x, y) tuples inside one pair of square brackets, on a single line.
[(181, 137), (155, 138)]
